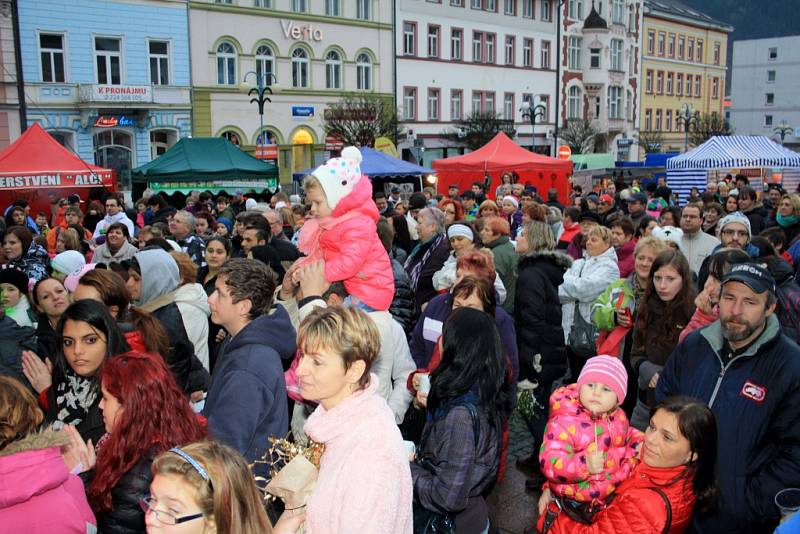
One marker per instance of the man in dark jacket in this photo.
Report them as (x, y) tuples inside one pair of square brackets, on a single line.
[(246, 404), (749, 374)]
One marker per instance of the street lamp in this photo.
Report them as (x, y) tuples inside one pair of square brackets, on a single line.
[(689, 121), (259, 94), (559, 9), (783, 129), (530, 113)]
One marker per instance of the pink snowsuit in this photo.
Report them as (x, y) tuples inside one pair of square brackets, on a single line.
[(571, 434), (348, 242)]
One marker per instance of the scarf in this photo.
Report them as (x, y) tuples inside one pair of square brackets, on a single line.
[(786, 222), (74, 397), (416, 270)]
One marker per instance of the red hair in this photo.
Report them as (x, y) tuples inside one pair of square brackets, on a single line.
[(155, 416), (456, 206), (498, 225), (477, 263)]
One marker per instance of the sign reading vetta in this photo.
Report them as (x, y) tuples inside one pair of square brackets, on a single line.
[(58, 179)]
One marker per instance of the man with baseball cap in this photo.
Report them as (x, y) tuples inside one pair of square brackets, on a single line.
[(749, 374), (607, 210), (636, 207)]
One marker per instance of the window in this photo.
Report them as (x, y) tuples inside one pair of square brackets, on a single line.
[(457, 3), (688, 90), (670, 80), (51, 50), (648, 120), (679, 84), (700, 58), (260, 3), (767, 120), (773, 53), (456, 49), (576, 9), (333, 70), (770, 76), (477, 47), (660, 83), (491, 5), (490, 51), (488, 102), (510, 7), (510, 49), (574, 103), (632, 60), (159, 62), (661, 39), (65, 139), (648, 84), (629, 105), (108, 60), (681, 46), (658, 120), (594, 58), (508, 106), (668, 120), (265, 64), (651, 42), (770, 99), (409, 39), (544, 100), (223, 1), (544, 52), (527, 9), (527, 52), (456, 104), (617, 12), (477, 100), (433, 104), (409, 103), (233, 137), (333, 8), (671, 45), (715, 88), (717, 53), (363, 11), (299, 68), (547, 10), (433, 40), (363, 72), (160, 141), (476, 4), (226, 64), (698, 83), (690, 49), (615, 102), (299, 6), (574, 53), (616, 54)]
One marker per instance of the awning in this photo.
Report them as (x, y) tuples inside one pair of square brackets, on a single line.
[(213, 186)]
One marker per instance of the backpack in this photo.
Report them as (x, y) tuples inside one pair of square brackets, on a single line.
[(788, 308)]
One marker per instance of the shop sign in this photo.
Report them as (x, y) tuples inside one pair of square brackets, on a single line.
[(301, 113), (267, 152), (306, 32), (214, 186), (333, 143), (56, 180), (117, 93), (105, 121)]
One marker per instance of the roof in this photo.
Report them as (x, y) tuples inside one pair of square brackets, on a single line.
[(205, 159), (594, 21), (679, 11), (735, 151), (376, 164)]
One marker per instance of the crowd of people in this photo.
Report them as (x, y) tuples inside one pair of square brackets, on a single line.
[(150, 357)]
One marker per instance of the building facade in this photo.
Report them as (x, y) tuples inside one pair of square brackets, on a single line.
[(11, 108), (457, 57), (109, 79), (310, 53), (765, 74), (601, 66), (683, 70)]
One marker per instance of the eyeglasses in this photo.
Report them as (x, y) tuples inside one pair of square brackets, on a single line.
[(148, 504), (737, 233), (451, 212)]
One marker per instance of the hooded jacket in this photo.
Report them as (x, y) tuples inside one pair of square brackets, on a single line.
[(108, 220), (38, 495), (505, 262), (625, 259), (246, 403), (402, 307), (13, 340), (102, 254), (755, 398), (192, 302)]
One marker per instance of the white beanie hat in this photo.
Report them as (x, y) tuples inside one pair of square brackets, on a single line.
[(338, 176), (250, 204), (68, 262), (668, 233)]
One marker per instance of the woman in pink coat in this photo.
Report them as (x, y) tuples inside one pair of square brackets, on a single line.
[(38, 494)]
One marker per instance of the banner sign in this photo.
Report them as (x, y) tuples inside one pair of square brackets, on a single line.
[(116, 93), (57, 180), (214, 186)]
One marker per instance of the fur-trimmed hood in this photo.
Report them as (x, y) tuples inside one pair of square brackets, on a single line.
[(558, 259), (36, 441)]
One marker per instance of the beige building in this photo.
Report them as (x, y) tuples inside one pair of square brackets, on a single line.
[(683, 69)]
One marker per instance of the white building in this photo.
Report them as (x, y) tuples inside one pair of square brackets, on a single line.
[(455, 57), (311, 52), (764, 78), (601, 66)]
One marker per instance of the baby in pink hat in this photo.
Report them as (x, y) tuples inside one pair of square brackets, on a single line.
[(342, 231), (589, 447)]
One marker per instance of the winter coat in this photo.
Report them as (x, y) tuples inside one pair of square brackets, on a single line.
[(102, 254), (625, 259), (13, 340), (505, 262), (108, 220), (439, 248), (698, 321), (571, 434), (126, 515), (429, 327), (37, 494), (246, 403), (756, 216), (637, 509), (445, 278), (697, 247), (52, 236), (33, 263), (91, 427), (393, 365), (514, 221), (583, 283), (348, 242), (462, 470), (46, 339), (791, 231), (537, 315), (402, 307), (192, 303), (364, 483), (567, 235), (755, 398), (195, 247), (618, 296)]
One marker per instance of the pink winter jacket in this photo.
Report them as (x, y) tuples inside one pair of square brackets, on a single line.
[(364, 484), (37, 493), (570, 436), (348, 242)]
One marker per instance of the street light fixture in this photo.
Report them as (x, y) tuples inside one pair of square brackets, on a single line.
[(783, 129), (559, 10), (530, 113), (259, 94), (689, 122)]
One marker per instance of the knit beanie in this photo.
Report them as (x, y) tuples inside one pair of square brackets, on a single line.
[(16, 278), (338, 176), (606, 370), (736, 217), (68, 262), (668, 233)]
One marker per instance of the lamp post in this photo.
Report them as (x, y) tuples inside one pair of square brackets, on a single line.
[(689, 120), (259, 94), (559, 9), (530, 113), (783, 129)]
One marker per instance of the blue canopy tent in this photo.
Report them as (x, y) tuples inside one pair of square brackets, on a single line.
[(383, 167), (690, 169)]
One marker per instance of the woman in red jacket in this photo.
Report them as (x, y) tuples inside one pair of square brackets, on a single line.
[(676, 476)]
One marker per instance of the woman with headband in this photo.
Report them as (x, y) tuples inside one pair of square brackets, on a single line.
[(462, 241)]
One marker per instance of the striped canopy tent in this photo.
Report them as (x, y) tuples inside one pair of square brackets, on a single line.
[(726, 152)]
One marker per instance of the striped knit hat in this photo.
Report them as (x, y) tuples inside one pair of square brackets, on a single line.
[(606, 370)]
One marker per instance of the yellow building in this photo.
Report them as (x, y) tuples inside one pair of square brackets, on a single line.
[(683, 65)]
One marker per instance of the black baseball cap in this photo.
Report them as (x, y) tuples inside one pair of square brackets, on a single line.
[(752, 275)]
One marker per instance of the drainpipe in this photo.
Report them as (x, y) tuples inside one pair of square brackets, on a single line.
[(23, 113)]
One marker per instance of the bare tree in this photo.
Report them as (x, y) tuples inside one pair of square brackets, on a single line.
[(357, 119), (477, 129), (579, 134), (651, 141), (707, 126)]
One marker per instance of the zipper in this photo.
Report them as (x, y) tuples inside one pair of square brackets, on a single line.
[(722, 371)]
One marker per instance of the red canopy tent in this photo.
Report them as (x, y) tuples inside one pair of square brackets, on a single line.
[(501, 155), (36, 163)]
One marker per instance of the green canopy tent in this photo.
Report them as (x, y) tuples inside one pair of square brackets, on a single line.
[(207, 164)]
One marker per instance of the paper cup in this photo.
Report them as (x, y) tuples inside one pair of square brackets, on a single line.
[(411, 448), (788, 501), (424, 383)]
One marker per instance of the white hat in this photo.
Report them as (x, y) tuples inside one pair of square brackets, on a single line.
[(250, 204), (68, 262), (338, 176), (668, 233)]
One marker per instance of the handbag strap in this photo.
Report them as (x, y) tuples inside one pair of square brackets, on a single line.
[(473, 414), (668, 523)]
